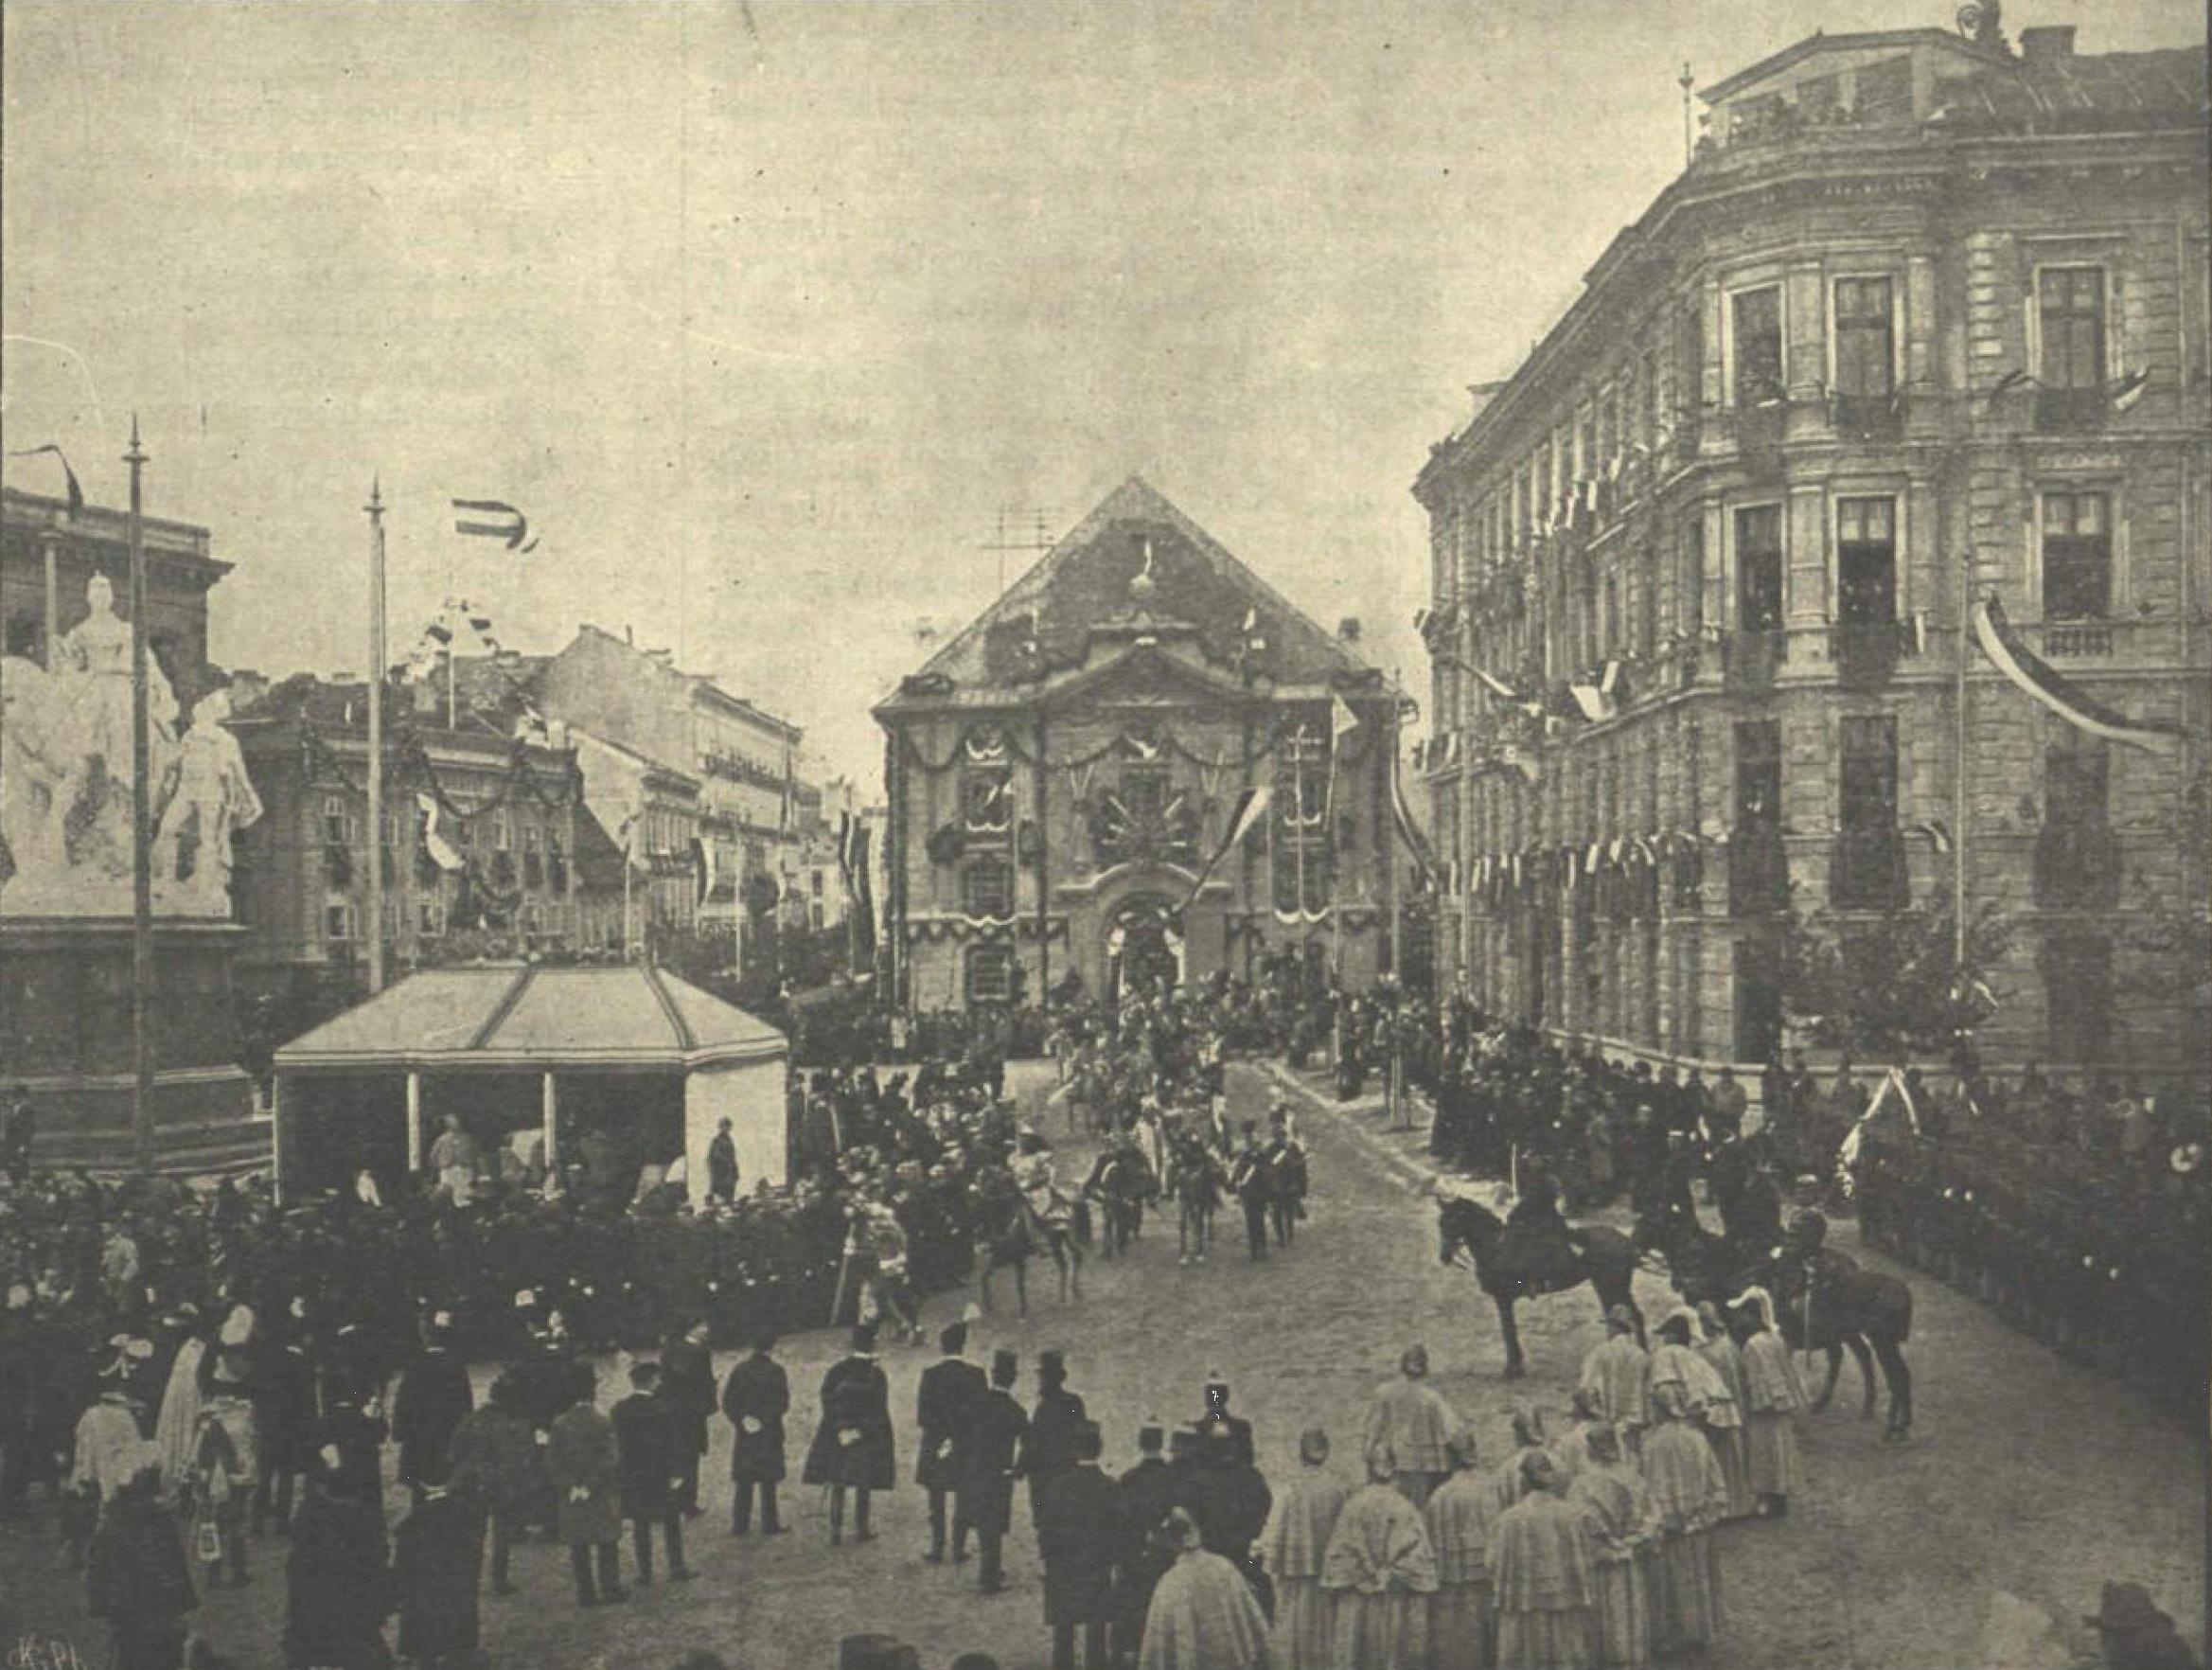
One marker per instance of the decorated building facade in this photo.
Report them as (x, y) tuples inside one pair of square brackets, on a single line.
[(1065, 777), (1844, 552)]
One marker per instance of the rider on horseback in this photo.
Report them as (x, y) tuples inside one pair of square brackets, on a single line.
[(1031, 1167), (1538, 1238)]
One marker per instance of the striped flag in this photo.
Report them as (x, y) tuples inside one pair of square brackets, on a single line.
[(1251, 806), (2046, 685), (509, 525)]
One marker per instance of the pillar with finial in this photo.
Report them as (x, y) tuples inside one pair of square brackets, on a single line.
[(1687, 82), (141, 832), (375, 508)]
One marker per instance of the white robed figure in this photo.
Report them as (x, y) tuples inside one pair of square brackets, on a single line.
[(1296, 1541), (1382, 1571), (214, 797)]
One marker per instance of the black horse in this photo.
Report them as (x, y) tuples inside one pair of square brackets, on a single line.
[(1602, 1257), (1823, 1302), (1010, 1233)]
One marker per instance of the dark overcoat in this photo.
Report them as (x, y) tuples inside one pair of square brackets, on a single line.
[(757, 1389), (432, 1397), (687, 1389), (988, 1452), (337, 1587), (1081, 1535), (586, 1463), (645, 1433), (497, 1464), (436, 1554), (855, 1398), (944, 1402)]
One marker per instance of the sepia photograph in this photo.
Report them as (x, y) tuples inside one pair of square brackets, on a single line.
[(1030, 834)]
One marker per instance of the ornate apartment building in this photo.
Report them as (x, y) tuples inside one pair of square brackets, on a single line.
[(1920, 328)]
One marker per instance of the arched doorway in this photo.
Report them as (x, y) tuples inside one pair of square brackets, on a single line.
[(1144, 949)]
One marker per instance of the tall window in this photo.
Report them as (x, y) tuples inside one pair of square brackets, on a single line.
[(337, 821), (341, 922), (986, 890), (1865, 560), (1758, 774), (1756, 318), (2077, 555), (1693, 594), (1301, 860), (2070, 311), (1867, 775), (990, 974), (1864, 339), (1759, 568)]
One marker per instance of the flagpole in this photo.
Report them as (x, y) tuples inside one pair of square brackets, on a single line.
[(1959, 785), (141, 815), (375, 509)]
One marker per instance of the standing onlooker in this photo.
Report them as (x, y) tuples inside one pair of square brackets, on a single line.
[(433, 1397), (1297, 1539), (285, 1417), (1202, 1616), (944, 1402), (687, 1392), (586, 1463), (1380, 1569), (137, 1579), (1617, 1510), (853, 1447), (989, 1455), (494, 1470), (755, 1397), (223, 1466), (1621, 1375), (1725, 1422), (435, 1554), (1462, 1519), (1411, 1418), (1049, 1450), (338, 1579), (646, 1436), (1080, 1537), (722, 1165), (1252, 1180), (1688, 1496), (1547, 1591), (1772, 1397), (1148, 1491)]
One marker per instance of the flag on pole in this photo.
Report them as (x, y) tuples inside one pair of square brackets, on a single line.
[(1251, 806), (2046, 685), (1407, 831), (1937, 832), (2126, 391), (511, 527), (75, 492), (440, 849)]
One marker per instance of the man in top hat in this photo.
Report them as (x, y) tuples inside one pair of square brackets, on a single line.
[(647, 1434), (284, 1417), (585, 1459), (755, 1398), (1253, 1181), (2135, 1635), (1147, 1491), (1048, 1451), (433, 1397), (944, 1402), (1081, 1539), (687, 1368), (988, 1459), (853, 1447), (435, 1554)]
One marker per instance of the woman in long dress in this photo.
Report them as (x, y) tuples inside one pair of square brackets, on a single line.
[(1611, 1495)]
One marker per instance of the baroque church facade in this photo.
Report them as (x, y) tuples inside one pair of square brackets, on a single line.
[(1139, 766)]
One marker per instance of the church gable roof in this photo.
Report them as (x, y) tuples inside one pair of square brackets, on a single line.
[(1088, 584)]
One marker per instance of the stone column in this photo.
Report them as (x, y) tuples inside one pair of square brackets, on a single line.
[(549, 1103), (413, 1122)]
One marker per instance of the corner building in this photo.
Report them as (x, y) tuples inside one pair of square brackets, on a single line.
[(1922, 322), (1061, 773)]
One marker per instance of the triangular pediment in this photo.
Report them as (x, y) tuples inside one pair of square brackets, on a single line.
[(1136, 567), (1142, 675)]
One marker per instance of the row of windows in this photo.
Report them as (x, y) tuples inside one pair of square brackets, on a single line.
[(342, 827), (342, 919), (2068, 327)]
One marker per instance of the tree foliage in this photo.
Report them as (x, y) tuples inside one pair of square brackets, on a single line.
[(1890, 986)]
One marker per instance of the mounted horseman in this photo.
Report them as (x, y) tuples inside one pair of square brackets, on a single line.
[(1533, 1251)]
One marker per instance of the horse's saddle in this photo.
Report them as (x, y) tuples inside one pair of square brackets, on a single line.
[(1542, 1258)]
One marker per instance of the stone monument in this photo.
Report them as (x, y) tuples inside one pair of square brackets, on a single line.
[(65, 905)]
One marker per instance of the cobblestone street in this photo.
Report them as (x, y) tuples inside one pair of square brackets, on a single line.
[(2032, 1481)]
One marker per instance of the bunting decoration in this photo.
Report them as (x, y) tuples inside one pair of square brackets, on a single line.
[(1251, 806), (441, 850), (2053, 689)]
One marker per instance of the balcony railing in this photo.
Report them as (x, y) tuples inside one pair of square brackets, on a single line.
[(1867, 652), (1752, 658), (2077, 867), (2072, 639), (1866, 871), (1758, 871)]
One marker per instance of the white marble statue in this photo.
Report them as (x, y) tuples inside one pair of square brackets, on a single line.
[(66, 781)]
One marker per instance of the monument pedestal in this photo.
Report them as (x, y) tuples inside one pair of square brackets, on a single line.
[(65, 1043)]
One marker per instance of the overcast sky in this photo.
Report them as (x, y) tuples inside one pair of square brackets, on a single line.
[(764, 314)]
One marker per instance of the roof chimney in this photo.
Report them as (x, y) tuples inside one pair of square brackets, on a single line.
[(2052, 44)]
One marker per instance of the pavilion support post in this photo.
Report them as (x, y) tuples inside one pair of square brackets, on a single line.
[(414, 1123), (549, 1101), (278, 1114)]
